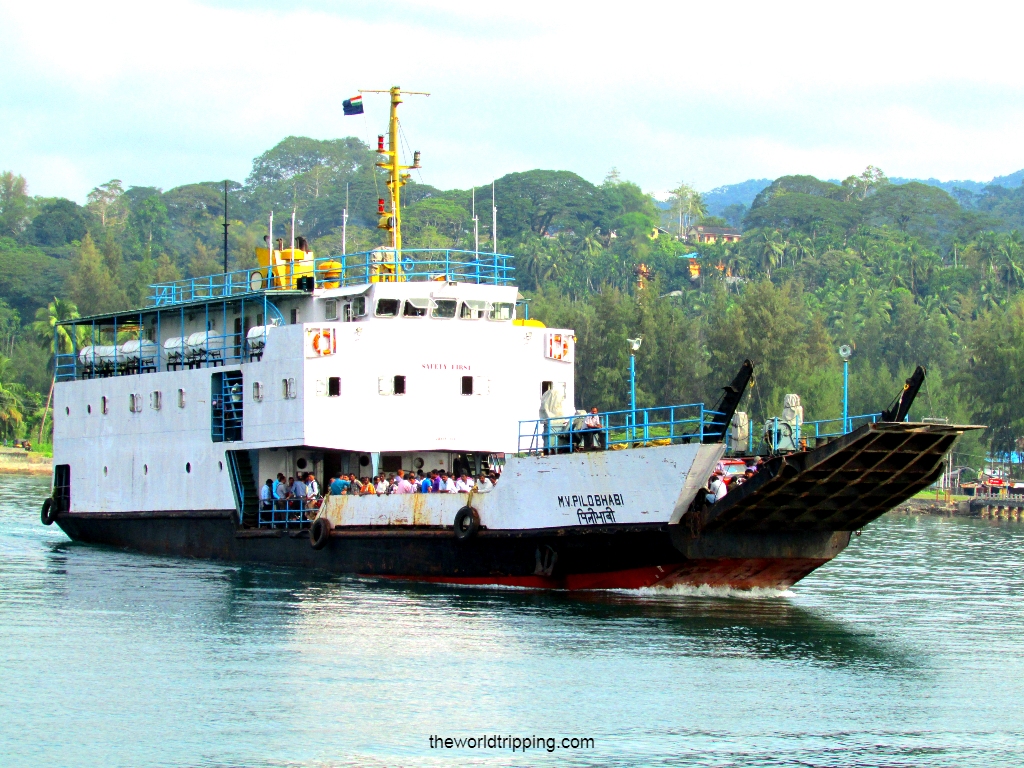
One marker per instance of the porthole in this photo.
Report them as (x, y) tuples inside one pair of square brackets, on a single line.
[(188, 466), (364, 461), (301, 463), (88, 409)]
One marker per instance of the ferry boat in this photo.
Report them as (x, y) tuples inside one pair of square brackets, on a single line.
[(169, 419)]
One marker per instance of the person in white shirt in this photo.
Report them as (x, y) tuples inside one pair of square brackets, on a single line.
[(447, 483), (312, 487), (714, 488), (266, 494), (484, 485), (382, 485), (463, 484)]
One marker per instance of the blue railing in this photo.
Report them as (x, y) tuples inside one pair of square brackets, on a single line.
[(288, 514), (115, 346), (660, 426), (378, 266)]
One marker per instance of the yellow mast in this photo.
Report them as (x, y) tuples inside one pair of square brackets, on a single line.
[(393, 164)]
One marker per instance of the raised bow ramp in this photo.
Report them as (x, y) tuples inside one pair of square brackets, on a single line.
[(841, 486)]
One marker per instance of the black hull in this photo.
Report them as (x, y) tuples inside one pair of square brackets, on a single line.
[(599, 557)]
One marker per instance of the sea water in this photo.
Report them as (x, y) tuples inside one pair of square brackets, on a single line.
[(907, 650)]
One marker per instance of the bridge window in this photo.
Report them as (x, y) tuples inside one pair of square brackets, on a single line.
[(399, 388), (503, 311), (331, 309), (388, 307), (334, 386), (444, 308), (473, 309), (467, 385), (416, 308)]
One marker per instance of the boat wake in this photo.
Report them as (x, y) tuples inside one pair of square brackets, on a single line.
[(706, 590)]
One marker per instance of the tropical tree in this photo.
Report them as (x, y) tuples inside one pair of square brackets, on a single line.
[(55, 338)]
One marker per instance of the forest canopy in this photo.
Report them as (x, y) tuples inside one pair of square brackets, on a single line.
[(905, 273)]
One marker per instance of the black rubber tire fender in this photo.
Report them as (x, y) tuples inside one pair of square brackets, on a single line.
[(49, 513), (320, 533), (467, 523)]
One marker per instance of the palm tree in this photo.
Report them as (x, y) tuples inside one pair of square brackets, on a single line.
[(769, 248), (11, 398), (56, 338), (1009, 259)]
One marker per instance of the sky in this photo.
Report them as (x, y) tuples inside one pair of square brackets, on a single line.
[(166, 93)]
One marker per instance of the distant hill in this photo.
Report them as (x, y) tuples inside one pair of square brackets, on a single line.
[(719, 198)]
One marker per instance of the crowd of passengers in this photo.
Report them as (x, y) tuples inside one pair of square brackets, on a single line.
[(721, 482), (303, 492)]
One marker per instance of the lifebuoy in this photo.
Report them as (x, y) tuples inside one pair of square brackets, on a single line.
[(467, 523), (49, 513), (320, 533)]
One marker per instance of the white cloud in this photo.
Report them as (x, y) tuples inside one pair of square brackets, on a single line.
[(164, 93)]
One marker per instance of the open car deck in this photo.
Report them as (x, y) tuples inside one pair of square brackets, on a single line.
[(841, 486)]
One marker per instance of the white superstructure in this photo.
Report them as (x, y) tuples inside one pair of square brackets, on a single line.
[(359, 379)]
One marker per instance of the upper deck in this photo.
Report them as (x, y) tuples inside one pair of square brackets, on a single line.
[(219, 319), (292, 269)]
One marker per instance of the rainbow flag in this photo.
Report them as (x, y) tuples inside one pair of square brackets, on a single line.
[(353, 106)]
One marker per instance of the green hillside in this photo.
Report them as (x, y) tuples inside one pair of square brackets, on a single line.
[(907, 274)]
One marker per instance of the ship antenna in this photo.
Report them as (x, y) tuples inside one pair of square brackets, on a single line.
[(344, 224), (476, 225), (225, 226), (393, 165)]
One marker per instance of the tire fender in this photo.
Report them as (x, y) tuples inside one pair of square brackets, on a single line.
[(467, 523), (49, 513), (320, 533)]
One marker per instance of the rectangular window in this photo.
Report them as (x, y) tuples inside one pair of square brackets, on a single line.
[(257, 391), (295, 316), (104, 407), (134, 403), (503, 311), (386, 385), (359, 306), (288, 388), (416, 307), (346, 313), (399, 388), (444, 308), (474, 309), (331, 309), (181, 398), (155, 400), (467, 385), (390, 463), (334, 386), (544, 387), (388, 307)]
